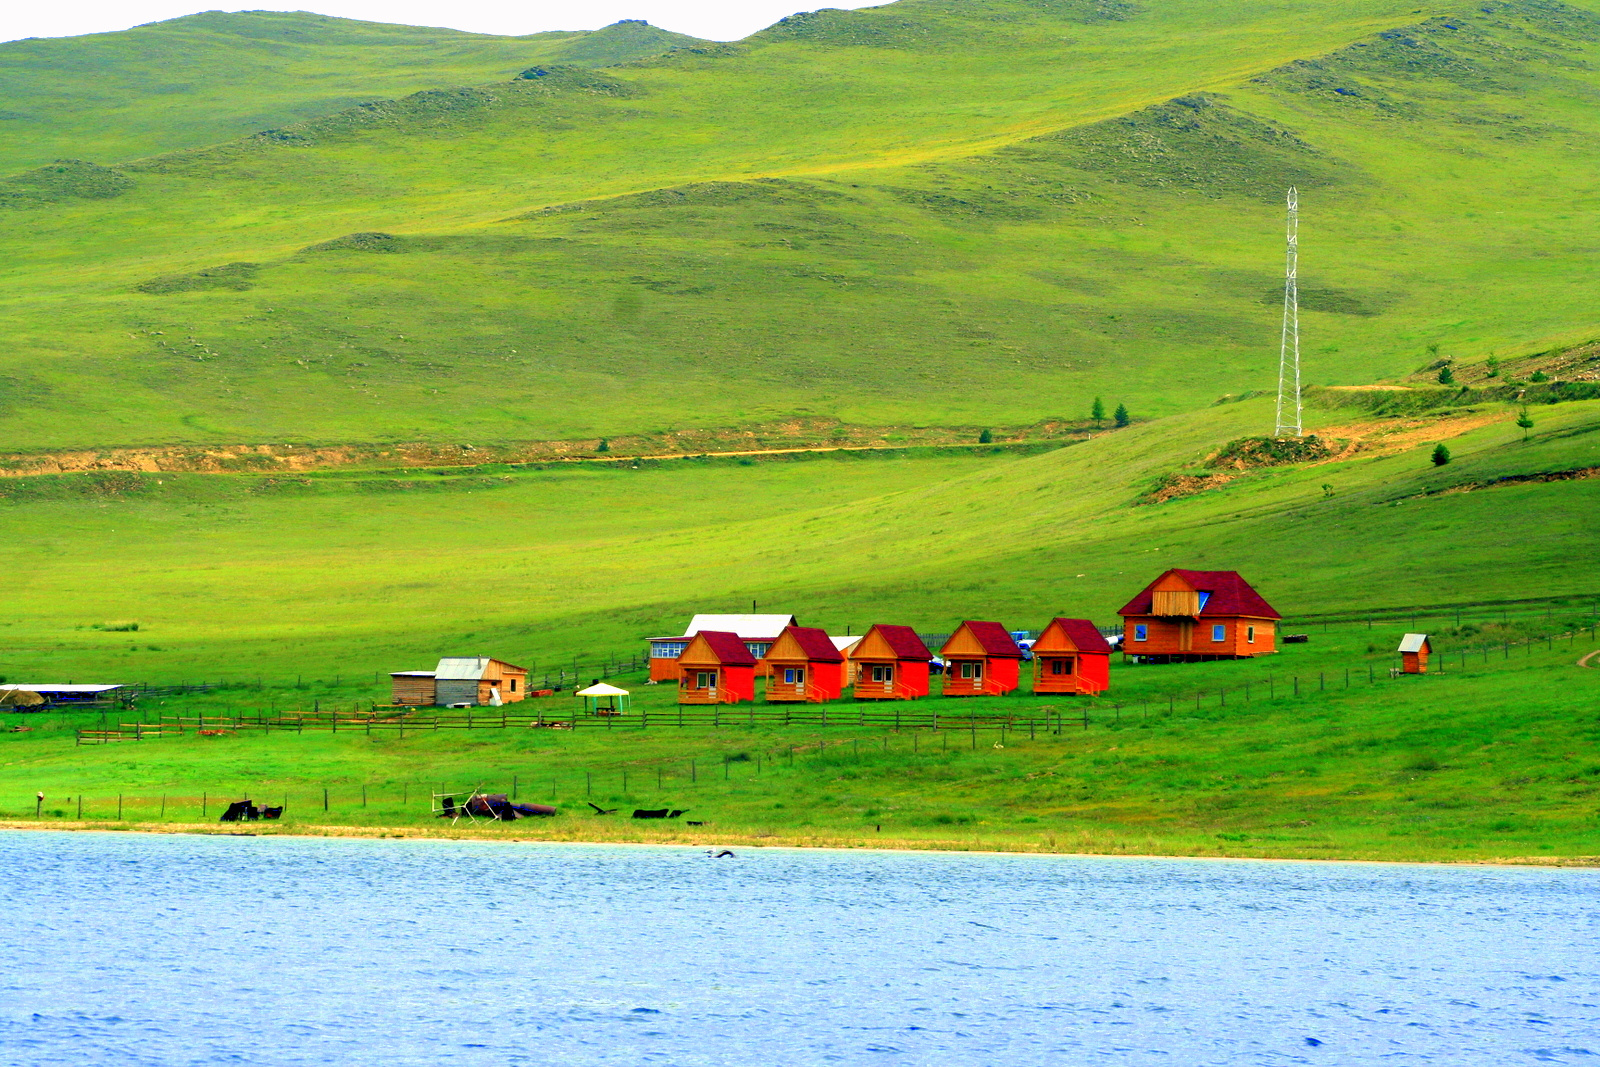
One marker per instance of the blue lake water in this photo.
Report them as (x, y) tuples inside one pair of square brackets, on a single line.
[(171, 950)]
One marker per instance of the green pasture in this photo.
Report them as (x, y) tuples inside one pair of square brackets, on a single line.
[(239, 577), (923, 214), (1493, 759)]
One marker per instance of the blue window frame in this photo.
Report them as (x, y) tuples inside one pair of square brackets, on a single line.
[(1219, 632), (1141, 632)]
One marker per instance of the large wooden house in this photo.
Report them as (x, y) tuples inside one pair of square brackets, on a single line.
[(890, 663), (1198, 615), (803, 665), (980, 659), (758, 632), (1071, 656), (716, 668)]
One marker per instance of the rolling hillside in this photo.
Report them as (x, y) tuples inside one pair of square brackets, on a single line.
[(930, 213)]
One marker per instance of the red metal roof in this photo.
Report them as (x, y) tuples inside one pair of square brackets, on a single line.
[(903, 640), (1230, 595), (816, 644), (995, 639), (729, 648), (1084, 634)]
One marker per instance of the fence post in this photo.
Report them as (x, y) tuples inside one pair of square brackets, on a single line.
[(324, 798)]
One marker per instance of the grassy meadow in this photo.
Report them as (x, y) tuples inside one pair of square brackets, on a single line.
[(1492, 760)]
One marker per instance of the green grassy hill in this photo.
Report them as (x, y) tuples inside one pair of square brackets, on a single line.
[(926, 213), (196, 80)]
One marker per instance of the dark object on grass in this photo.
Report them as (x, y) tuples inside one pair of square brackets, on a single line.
[(598, 810), (272, 813), (658, 813), (1296, 639), (244, 811), (691, 822), (499, 806)]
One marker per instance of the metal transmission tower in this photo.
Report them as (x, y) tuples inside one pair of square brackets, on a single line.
[(1289, 349)]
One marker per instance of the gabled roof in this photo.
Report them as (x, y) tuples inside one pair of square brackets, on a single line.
[(994, 639), (1414, 643), (412, 674), (468, 668), (815, 644), (729, 648), (601, 689), (1230, 595), (1083, 634), (902, 641), (845, 644), (748, 627)]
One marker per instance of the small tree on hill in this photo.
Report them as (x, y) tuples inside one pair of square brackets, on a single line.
[(1097, 411), (1441, 455), (1447, 376), (1539, 376), (604, 445), (1525, 421), (1121, 416), (986, 437)]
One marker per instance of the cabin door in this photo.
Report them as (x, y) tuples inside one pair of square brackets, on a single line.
[(1185, 635)]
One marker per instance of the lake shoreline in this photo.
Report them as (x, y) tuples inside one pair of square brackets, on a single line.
[(494, 835)]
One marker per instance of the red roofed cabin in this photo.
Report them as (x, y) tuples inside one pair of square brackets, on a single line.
[(980, 659), (891, 663), (716, 668), (1071, 656), (1198, 615), (803, 665)]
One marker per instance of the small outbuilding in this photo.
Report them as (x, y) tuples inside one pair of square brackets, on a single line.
[(758, 632), (1414, 652), (1071, 656), (478, 681), (411, 688), (716, 667), (981, 659), (605, 699), (803, 666), (890, 663)]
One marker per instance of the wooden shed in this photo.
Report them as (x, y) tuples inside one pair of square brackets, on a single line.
[(758, 632), (1198, 615), (803, 665), (980, 659), (1414, 652), (1071, 656), (411, 687), (891, 663), (478, 680), (716, 668)]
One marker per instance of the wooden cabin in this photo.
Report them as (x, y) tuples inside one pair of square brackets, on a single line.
[(1414, 652), (478, 681), (980, 659), (716, 667), (803, 666), (1198, 615), (846, 645), (890, 663), (1071, 656), (411, 687), (758, 632)]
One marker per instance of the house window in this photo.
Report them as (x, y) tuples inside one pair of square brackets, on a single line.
[(667, 649), (512, 682), (1141, 632), (758, 648), (1219, 632), (883, 672), (794, 676), (1061, 666), (1249, 635), (1205, 595), (705, 680), (972, 670)]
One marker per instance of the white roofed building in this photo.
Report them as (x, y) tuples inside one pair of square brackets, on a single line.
[(758, 632)]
